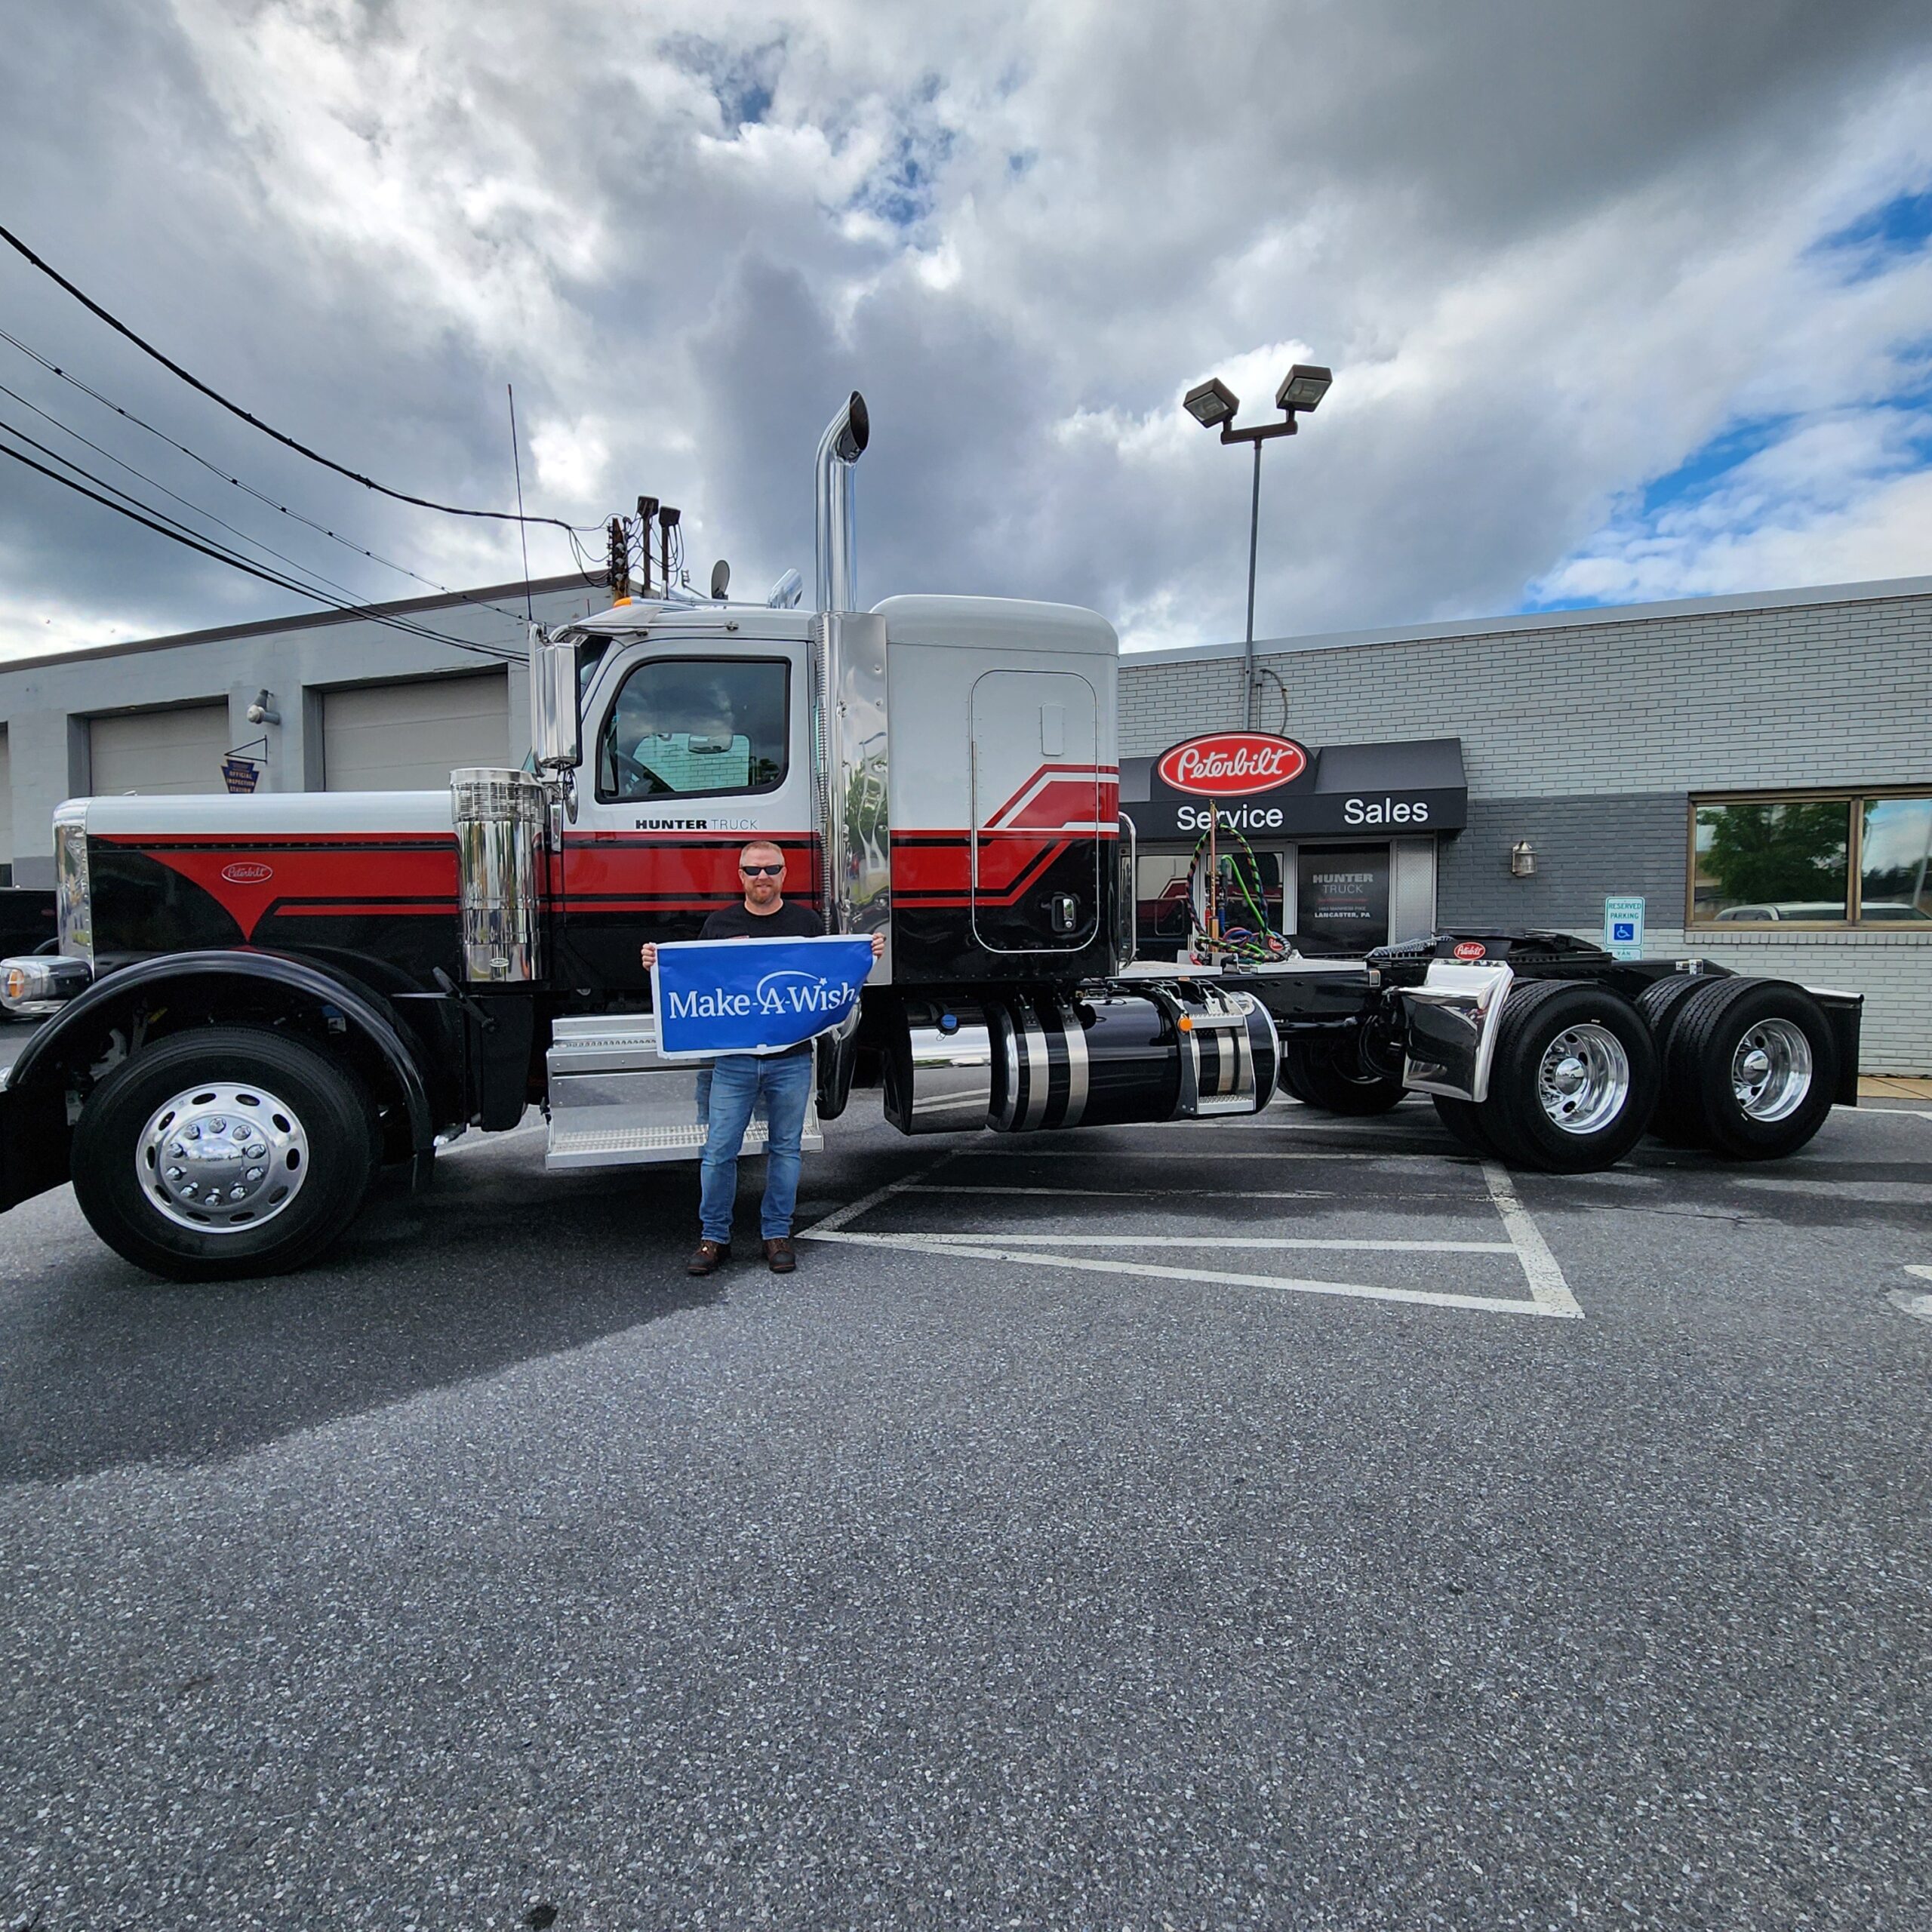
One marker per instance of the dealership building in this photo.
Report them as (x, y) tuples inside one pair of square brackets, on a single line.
[(1748, 779)]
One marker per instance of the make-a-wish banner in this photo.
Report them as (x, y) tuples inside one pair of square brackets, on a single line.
[(754, 995)]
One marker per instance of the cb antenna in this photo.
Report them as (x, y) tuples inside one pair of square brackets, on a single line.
[(522, 528), (647, 508)]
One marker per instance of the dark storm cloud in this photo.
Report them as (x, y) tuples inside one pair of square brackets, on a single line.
[(1550, 251)]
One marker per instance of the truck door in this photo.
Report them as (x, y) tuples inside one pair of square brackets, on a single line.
[(1036, 812), (692, 746)]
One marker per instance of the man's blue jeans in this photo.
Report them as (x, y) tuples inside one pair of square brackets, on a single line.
[(736, 1081)]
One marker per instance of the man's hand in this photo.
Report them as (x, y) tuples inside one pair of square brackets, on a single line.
[(879, 945), (648, 954)]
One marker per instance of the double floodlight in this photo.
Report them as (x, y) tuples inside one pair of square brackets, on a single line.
[(1213, 404)]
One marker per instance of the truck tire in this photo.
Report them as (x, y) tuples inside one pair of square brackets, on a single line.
[(224, 1151), (1753, 1065), (1316, 1076), (1464, 1119), (1660, 1003), (1573, 1083)]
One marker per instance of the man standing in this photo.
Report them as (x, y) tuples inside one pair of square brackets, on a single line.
[(737, 1079)]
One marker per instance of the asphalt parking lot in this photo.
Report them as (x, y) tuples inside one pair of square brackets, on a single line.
[(1283, 1523)]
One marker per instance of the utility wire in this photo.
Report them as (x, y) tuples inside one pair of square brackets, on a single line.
[(154, 483), (194, 382), (222, 556), (247, 489), (175, 523)]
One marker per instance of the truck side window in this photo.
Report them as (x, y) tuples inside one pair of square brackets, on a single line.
[(694, 728)]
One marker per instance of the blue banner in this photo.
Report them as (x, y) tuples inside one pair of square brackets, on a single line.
[(754, 995)]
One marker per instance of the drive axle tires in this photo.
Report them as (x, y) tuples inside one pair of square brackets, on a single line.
[(1574, 1079), (1320, 1077), (1661, 1003), (223, 1152), (1750, 1068)]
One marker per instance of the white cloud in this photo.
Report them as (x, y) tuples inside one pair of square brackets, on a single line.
[(1549, 255)]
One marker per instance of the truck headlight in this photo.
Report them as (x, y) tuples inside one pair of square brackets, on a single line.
[(73, 901)]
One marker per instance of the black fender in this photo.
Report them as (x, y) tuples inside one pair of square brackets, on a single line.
[(32, 1109)]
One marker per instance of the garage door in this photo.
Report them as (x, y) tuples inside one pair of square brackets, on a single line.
[(159, 751), (410, 737)]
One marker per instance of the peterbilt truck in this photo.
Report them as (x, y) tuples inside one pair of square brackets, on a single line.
[(258, 1003)]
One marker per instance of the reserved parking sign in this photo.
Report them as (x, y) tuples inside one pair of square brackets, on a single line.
[(1624, 928)]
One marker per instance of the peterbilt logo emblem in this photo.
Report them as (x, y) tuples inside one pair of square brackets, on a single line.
[(1231, 764), (1471, 948), (248, 871)]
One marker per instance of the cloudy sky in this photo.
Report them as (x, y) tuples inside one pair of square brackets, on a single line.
[(1623, 302)]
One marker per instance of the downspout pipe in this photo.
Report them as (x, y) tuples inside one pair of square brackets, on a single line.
[(839, 448)]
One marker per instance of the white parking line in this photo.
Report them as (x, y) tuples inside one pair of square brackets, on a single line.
[(1545, 1277), (1143, 1193), (1092, 1264), (1549, 1294), (1250, 1240)]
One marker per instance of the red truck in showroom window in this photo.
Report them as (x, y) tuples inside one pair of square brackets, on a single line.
[(258, 1002)]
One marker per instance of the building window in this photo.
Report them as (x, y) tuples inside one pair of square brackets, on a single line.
[(1847, 861), (693, 727)]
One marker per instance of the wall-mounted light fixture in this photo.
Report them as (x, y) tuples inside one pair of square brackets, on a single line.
[(262, 711), (1522, 860)]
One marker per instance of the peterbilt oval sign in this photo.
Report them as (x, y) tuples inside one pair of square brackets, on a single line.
[(1231, 764), (1471, 948), (247, 872)]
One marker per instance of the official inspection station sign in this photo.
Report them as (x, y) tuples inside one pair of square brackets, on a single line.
[(754, 995)]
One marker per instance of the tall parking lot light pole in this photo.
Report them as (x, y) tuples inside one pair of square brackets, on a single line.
[(1214, 405)]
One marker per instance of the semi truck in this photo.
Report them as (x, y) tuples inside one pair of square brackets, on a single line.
[(258, 1003)]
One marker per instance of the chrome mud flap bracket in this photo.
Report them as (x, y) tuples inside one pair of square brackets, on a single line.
[(1449, 1028)]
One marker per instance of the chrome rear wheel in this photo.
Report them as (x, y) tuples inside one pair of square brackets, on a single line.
[(1583, 1080)]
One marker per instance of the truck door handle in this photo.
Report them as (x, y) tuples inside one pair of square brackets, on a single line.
[(1063, 910)]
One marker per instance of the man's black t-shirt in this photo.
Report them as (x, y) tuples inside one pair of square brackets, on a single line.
[(792, 920)]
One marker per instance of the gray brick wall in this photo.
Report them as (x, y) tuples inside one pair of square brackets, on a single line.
[(1809, 694), (1584, 846), (1586, 735)]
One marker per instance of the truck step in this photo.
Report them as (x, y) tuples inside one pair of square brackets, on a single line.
[(615, 1102)]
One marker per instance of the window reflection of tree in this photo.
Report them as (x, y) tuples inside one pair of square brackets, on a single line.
[(1772, 854)]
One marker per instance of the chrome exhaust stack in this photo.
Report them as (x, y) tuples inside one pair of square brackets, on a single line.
[(839, 448), (851, 761)]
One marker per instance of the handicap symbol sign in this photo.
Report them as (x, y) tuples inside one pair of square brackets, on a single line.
[(1623, 927)]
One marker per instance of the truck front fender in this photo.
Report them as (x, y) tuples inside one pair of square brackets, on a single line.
[(34, 1128)]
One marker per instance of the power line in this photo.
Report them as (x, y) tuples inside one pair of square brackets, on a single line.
[(247, 489), (194, 382), (154, 483), (223, 556)]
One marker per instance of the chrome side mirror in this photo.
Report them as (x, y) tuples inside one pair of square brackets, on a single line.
[(556, 730)]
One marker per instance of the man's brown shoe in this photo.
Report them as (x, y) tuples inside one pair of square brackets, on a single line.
[(780, 1256), (711, 1256)]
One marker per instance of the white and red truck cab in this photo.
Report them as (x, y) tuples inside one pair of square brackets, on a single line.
[(257, 1002)]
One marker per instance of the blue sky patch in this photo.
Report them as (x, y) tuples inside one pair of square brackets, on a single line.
[(1873, 243)]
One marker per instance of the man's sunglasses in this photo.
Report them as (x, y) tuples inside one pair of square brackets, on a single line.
[(762, 872)]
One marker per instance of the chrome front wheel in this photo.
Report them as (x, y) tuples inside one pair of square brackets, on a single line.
[(220, 1151), (223, 1157)]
